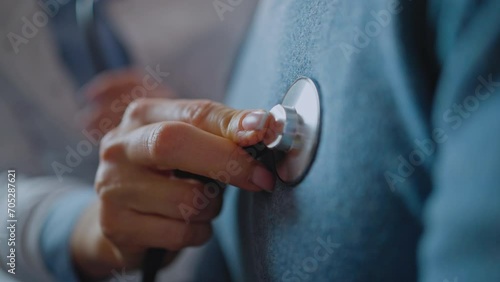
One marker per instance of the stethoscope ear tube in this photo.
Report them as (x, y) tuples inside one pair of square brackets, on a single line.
[(152, 262), (86, 19), (101, 39)]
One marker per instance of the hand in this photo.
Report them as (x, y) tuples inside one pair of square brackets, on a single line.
[(108, 95), (141, 203)]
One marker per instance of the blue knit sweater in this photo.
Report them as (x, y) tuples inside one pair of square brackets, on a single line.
[(406, 182)]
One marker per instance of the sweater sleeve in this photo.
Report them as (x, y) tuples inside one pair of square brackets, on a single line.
[(462, 216), (45, 211)]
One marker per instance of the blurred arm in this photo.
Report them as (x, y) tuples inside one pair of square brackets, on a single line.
[(46, 211)]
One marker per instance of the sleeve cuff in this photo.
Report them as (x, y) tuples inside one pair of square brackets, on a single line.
[(57, 230)]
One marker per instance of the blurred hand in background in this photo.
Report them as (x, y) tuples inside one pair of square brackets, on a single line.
[(109, 94)]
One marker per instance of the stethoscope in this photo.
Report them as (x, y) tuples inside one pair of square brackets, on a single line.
[(294, 142), (294, 146), (86, 13)]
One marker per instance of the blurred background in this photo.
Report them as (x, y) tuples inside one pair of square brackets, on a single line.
[(47, 60)]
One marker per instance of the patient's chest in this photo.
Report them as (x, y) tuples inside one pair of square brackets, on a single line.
[(343, 222)]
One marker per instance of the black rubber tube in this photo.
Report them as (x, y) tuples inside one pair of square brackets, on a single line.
[(153, 261)]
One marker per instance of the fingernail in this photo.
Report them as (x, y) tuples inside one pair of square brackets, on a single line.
[(254, 120), (263, 178)]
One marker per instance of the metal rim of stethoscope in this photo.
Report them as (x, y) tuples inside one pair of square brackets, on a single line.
[(300, 113)]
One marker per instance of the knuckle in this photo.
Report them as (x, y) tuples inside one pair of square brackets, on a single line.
[(112, 152), (164, 139), (109, 137), (159, 141), (103, 176), (226, 123), (110, 188), (136, 109), (111, 148), (109, 225), (181, 239), (106, 194), (198, 111), (205, 206)]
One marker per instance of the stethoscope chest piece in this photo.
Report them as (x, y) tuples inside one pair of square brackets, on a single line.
[(295, 140)]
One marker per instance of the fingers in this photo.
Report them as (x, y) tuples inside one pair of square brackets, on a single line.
[(244, 127), (109, 95), (185, 200), (138, 231), (116, 81), (177, 145), (141, 204), (138, 209)]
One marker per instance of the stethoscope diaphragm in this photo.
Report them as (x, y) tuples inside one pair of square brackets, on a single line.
[(296, 138)]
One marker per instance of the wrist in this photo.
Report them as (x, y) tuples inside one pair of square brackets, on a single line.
[(92, 254)]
